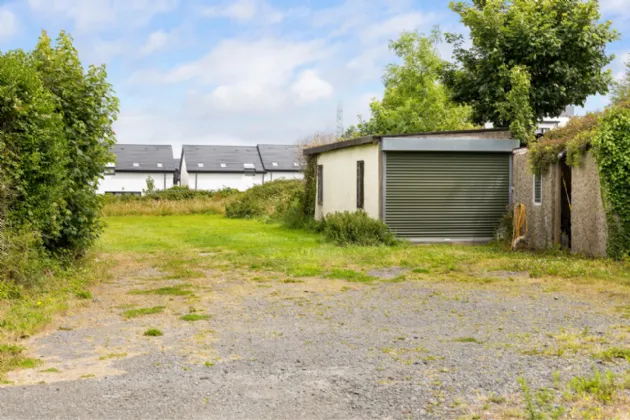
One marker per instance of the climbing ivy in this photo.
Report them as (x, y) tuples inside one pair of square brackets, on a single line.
[(310, 187), (611, 145)]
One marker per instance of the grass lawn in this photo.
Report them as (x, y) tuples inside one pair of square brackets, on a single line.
[(185, 246)]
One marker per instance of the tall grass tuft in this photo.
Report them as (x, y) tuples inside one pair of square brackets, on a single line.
[(164, 207)]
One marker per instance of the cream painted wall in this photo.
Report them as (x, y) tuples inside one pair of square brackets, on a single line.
[(340, 180), (184, 177), (133, 182)]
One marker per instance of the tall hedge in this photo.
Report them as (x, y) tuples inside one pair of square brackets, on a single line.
[(55, 138), (612, 148)]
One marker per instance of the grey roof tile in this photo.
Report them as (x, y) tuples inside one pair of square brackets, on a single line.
[(144, 158), (221, 158), (285, 157)]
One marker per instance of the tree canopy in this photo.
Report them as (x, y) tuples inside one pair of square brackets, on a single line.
[(620, 91), (414, 99), (549, 52)]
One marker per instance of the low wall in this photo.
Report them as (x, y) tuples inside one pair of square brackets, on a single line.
[(589, 228)]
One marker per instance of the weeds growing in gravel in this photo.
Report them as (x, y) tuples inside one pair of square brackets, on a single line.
[(133, 313), (179, 290), (194, 317), (11, 358), (153, 332)]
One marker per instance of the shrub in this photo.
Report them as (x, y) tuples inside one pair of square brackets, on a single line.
[(357, 229), (271, 199), (153, 332)]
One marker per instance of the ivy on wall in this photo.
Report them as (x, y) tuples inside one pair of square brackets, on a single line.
[(611, 144), (310, 186)]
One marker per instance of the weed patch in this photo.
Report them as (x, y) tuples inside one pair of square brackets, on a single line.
[(613, 353), (153, 332), (11, 358), (179, 290), (113, 356), (50, 370), (467, 340), (195, 317), (351, 276), (133, 313)]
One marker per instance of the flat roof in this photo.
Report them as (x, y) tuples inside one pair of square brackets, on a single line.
[(377, 139)]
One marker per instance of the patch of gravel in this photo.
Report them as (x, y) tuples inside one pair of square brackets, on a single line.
[(388, 273), (318, 350)]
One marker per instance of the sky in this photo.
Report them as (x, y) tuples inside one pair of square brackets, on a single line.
[(244, 71)]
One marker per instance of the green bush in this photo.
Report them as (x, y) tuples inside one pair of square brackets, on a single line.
[(176, 193), (357, 229), (271, 199)]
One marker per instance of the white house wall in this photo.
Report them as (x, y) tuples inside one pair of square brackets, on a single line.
[(133, 182), (340, 180), (274, 176), (184, 176), (217, 181)]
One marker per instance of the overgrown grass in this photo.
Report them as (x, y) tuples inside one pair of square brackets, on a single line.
[(251, 245), (271, 199), (164, 207), (11, 357), (133, 313), (153, 332)]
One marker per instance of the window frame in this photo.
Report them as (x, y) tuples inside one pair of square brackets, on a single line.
[(360, 184), (320, 184), (537, 202)]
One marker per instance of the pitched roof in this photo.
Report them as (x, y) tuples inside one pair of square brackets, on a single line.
[(177, 163), (279, 157), (221, 158), (144, 158)]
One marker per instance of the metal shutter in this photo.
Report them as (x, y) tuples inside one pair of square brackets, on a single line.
[(446, 195)]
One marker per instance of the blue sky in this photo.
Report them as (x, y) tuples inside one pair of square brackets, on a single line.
[(242, 71)]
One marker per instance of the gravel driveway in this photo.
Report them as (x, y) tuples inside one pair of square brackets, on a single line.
[(312, 348)]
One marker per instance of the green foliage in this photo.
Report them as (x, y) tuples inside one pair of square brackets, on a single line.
[(176, 193), (517, 108), (357, 229), (414, 99), (32, 151), (86, 103), (561, 44), (620, 91), (150, 186), (269, 199), (153, 332), (575, 138), (611, 144), (601, 386)]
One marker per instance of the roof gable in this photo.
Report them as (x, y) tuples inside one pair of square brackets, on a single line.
[(238, 159), (280, 157), (144, 158)]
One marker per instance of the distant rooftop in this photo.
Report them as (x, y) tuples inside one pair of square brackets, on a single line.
[(222, 159), (144, 158)]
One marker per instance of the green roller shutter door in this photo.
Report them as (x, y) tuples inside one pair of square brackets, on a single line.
[(446, 195)]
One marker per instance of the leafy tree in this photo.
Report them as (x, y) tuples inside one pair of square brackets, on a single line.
[(32, 150), (558, 45), (621, 88), (414, 99), (88, 106)]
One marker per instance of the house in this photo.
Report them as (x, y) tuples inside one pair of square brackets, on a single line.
[(428, 187), (135, 163), (216, 167), (549, 123), (564, 204), (281, 161)]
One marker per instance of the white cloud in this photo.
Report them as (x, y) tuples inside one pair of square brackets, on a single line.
[(395, 25), (156, 41), (615, 7), (8, 23), (309, 87), (92, 15), (245, 11)]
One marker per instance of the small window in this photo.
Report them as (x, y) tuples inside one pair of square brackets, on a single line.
[(274, 163), (537, 189), (200, 165), (360, 183), (223, 165), (320, 184), (136, 164), (110, 171), (159, 165), (297, 165)]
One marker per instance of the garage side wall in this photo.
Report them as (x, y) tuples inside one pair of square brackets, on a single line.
[(540, 217), (340, 180), (589, 229)]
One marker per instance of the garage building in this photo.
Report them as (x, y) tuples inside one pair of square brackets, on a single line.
[(427, 187)]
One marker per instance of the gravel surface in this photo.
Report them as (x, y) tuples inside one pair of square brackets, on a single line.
[(317, 349)]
